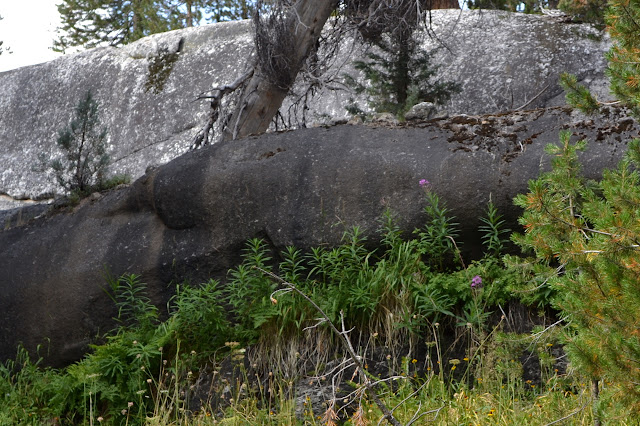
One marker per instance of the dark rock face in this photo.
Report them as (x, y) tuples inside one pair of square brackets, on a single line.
[(190, 218), (147, 89)]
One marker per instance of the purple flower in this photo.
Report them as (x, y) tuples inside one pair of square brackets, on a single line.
[(476, 282), (423, 182)]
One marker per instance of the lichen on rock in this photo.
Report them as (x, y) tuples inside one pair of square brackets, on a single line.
[(160, 67)]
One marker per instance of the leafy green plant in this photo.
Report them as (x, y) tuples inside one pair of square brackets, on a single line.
[(249, 292), (26, 392), (466, 295), (437, 240), (197, 317), (493, 231), (135, 309), (394, 297)]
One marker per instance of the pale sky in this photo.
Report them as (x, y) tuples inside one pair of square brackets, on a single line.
[(28, 29)]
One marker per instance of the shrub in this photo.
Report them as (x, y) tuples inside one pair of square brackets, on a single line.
[(390, 299)]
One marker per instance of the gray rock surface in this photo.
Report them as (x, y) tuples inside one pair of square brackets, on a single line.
[(190, 218), (421, 111), (504, 60), (147, 89)]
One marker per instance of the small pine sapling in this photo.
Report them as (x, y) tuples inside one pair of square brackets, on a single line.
[(83, 165), (399, 75)]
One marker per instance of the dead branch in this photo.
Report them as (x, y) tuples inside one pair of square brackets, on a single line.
[(343, 336), (373, 18), (216, 97), (532, 99)]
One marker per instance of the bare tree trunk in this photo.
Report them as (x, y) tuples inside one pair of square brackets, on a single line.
[(189, 6), (443, 4), (136, 30), (262, 97)]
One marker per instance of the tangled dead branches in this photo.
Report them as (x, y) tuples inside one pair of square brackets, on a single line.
[(217, 107), (373, 18), (275, 48), (277, 25)]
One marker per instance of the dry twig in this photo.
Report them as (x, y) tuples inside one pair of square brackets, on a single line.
[(343, 336)]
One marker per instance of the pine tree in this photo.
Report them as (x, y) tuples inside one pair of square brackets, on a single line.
[(591, 233), (399, 75), (526, 6), (623, 23), (190, 13), (623, 20), (590, 230), (83, 142), (91, 23), (183, 13), (492, 4), (591, 11), (229, 10)]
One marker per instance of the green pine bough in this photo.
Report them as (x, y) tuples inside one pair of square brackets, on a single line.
[(589, 233)]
